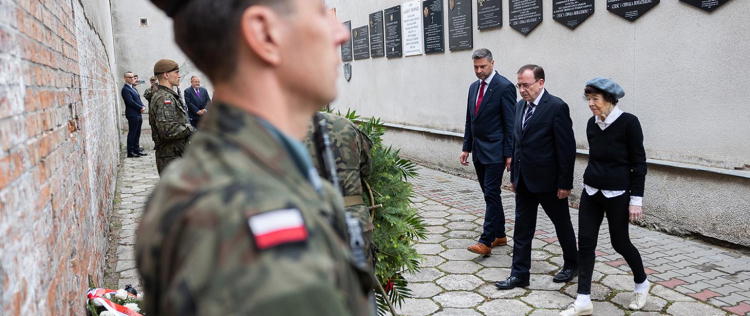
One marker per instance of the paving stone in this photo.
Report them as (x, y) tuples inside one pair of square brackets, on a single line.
[(547, 299), (495, 261), (417, 307), (606, 308), (459, 254), (646, 314), (428, 249), (459, 282), (462, 226), (543, 267), (606, 269), (458, 299), (694, 308), (653, 304), (461, 218), (504, 307), (492, 292), (431, 261), (546, 312), (461, 234), (540, 255), (669, 294), (436, 229), (460, 267), (619, 282), (543, 282), (424, 290), (424, 275), (434, 221), (435, 207), (599, 292), (432, 239), (435, 214), (458, 243), (457, 312), (494, 274)]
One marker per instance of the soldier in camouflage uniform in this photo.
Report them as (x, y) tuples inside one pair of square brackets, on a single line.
[(352, 152), (167, 115), (150, 91), (242, 224)]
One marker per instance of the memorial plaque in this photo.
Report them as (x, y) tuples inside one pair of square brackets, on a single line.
[(361, 40), (525, 15), (572, 13), (393, 32), (411, 21), (434, 38), (460, 35), (630, 10), (377, 39), (706, 5), (346, 48), (489, 14)]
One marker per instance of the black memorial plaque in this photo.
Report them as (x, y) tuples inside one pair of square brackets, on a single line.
[(525, 15), (377, 41), (346, 48), (489, 14), (361, 40), (706, 5), (572, 13), (434, 36), (460, 35), (393, 46), (630, 10)]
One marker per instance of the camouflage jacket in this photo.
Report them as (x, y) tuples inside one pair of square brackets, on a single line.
[(148, 94), (352, 151), (170, 126), (237, 229)]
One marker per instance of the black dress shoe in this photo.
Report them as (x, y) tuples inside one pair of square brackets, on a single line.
[(142, 154), (132, 155), (511, 283), (565, 275)]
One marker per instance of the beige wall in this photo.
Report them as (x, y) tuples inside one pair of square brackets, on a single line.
[(683, 71)]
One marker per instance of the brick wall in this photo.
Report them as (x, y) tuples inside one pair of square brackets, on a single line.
[(59, 152)]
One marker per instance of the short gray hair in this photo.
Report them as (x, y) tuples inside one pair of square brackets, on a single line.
[(481, 54)]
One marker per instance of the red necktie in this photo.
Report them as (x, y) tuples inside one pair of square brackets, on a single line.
[(481, 95)]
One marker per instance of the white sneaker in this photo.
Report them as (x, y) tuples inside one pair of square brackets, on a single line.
[(638, 301), (575, 311)]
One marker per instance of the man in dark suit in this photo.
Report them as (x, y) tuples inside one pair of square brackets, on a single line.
[(133, 109), (544, 153), (489, 125), (197, 100)]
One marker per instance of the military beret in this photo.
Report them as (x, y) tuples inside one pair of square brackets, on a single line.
[(152, 78), (165, 65), (170, 7), (607, 85)]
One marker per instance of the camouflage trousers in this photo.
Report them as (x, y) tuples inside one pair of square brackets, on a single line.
[(162, 162), (167, 152)]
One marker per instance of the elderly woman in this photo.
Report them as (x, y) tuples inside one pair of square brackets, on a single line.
[(613, 186)]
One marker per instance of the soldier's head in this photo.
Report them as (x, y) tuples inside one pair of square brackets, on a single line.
[(152, 80), (195, 82), (293, 43), (167, 72)]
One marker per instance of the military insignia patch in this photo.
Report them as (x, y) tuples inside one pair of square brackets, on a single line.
[(278, 227), (167, 101)]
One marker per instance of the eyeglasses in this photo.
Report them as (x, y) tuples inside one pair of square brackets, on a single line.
[(526, 85), (131, 77)]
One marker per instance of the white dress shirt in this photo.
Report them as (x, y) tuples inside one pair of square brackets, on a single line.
[(611, 118)]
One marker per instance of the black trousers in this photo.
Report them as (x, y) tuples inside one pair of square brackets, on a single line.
[(490, 179), (590, 216), (557, 210), (134, 133)]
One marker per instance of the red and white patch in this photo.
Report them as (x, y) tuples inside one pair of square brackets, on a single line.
[(167, 101), (278, 227)]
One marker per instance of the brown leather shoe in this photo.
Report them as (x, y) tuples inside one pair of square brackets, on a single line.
[(480, 249), (499, 242)]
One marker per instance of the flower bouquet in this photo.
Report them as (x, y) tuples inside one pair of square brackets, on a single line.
[(103, 302)]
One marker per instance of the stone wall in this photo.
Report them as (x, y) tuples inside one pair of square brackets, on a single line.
[(59, 152)]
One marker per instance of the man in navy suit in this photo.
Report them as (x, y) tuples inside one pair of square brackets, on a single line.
[(488, 137), (197, 100), (133, 109), (544, 152)]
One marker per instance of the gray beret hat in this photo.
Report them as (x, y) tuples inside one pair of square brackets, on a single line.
[(606, 84)]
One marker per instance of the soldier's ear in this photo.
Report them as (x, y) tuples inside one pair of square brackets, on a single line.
[(261, 33)]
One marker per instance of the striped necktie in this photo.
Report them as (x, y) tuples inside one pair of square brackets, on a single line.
[(527, 117)]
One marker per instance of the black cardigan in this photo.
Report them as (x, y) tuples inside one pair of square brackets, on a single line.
[(617, 160)]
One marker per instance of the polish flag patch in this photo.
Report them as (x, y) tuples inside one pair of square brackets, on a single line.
[(167, 101), (278, 227)]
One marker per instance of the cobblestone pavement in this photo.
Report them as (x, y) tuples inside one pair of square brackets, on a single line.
[(137, 179), (688, 278)]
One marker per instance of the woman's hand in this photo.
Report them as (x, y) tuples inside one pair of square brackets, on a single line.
[(636, 213)]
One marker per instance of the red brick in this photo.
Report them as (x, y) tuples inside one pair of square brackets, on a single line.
[(704, 295), (599, 253), (616, 263), (672, 283), (4, 172), (741, 309), (649, 271)]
